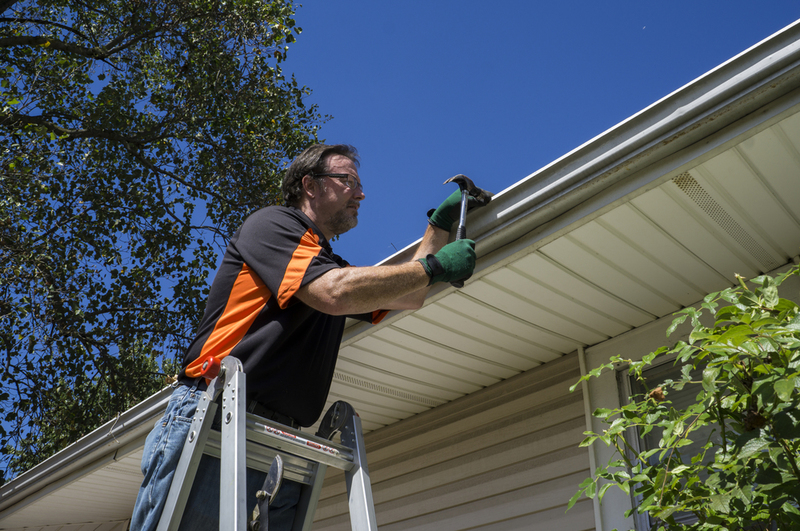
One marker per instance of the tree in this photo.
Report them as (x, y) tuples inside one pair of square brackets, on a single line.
[(746, 474), (135, 136)]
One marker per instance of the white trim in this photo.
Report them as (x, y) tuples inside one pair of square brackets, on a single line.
[(587, 411)]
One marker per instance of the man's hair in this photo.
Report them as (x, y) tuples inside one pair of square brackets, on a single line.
[(312, 160)]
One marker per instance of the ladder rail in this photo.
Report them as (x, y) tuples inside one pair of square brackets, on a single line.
[(187, 464), (359, 487), (233, 476)]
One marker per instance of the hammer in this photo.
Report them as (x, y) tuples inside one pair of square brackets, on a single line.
[(482, 198)]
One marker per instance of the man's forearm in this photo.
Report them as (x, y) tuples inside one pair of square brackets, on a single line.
[(357, 290), (433, 240)]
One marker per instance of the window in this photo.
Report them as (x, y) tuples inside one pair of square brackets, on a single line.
[(680, 400)]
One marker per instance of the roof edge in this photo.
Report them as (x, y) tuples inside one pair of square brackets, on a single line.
[(109, 437)]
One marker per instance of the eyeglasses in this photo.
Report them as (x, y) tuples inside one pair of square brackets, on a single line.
[(349, 180)]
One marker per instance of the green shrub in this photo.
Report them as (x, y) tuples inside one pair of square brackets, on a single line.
[(745, 475)]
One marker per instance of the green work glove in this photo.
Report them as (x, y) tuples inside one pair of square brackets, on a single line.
[(447, 213), (450, 210), (454, 261)]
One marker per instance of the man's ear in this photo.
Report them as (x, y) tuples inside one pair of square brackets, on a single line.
[(310, 187)]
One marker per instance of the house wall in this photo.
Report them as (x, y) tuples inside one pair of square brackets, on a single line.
[(504, 458)]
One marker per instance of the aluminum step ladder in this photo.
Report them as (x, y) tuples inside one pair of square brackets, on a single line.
[(248, 441)]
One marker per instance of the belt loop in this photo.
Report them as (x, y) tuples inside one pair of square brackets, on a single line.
[(197, 383)]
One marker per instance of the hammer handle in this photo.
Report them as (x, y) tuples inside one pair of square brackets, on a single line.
[(462, 218), (461, 231)]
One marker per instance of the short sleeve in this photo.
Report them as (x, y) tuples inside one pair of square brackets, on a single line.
[(284, 250)]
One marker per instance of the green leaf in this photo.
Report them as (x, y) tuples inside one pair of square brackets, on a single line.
[(700, 334), (675, 324), (770, 294), (585, 484), (727, 313), (721, 503), (736, 335), (679, 469), (603, 490), (574, 499), (590, 489), (787, 424), (709, 379), (784, 389), (749, 299), (753, 447), (603, 413)]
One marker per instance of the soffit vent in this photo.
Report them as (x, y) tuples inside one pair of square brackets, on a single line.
[(716, 212), (385, 390)]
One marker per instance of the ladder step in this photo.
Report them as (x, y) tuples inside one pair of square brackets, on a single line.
[(259, 457), (295, 442)]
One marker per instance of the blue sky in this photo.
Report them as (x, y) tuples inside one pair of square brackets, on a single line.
[(495, 90)]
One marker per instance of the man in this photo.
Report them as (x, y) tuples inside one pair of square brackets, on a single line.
[(279, 303)]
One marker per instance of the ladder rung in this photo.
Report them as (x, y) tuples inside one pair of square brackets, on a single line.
[(310, 447), (260, 458)]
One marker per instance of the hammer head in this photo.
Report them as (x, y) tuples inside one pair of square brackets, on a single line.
[(465, 183)]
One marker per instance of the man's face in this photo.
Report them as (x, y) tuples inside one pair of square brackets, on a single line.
[(339, 203)]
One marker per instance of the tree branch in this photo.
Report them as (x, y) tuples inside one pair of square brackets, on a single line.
[(161, 171), (46, 23), (6, 4), (94, 52), (19, 120), (28, 40), (125, 40)]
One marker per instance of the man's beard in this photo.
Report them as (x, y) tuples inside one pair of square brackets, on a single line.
[(342, 221)]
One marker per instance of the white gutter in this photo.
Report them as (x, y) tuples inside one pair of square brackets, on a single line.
[(107, 439), (693, 112)]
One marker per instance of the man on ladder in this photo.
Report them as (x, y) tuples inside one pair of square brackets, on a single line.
[(278, 303)]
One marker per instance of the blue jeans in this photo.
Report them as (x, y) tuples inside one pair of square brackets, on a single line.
[(162, 451)]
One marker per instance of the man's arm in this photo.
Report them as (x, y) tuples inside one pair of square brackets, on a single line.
[(433, 240), (358, 290)]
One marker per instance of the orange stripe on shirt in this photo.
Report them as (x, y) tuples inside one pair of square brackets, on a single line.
[(378, 315), (306, 251), (247, 298)]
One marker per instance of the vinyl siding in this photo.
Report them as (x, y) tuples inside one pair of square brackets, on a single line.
[(503, 458)]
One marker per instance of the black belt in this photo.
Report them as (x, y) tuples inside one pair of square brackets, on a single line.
[(257, 409), (199, 383), (252, 407)]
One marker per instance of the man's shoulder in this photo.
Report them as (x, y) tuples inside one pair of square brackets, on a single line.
[(286, 220), (278, 214)]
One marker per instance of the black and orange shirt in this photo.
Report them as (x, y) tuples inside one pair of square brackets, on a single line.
[(288, 349)]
